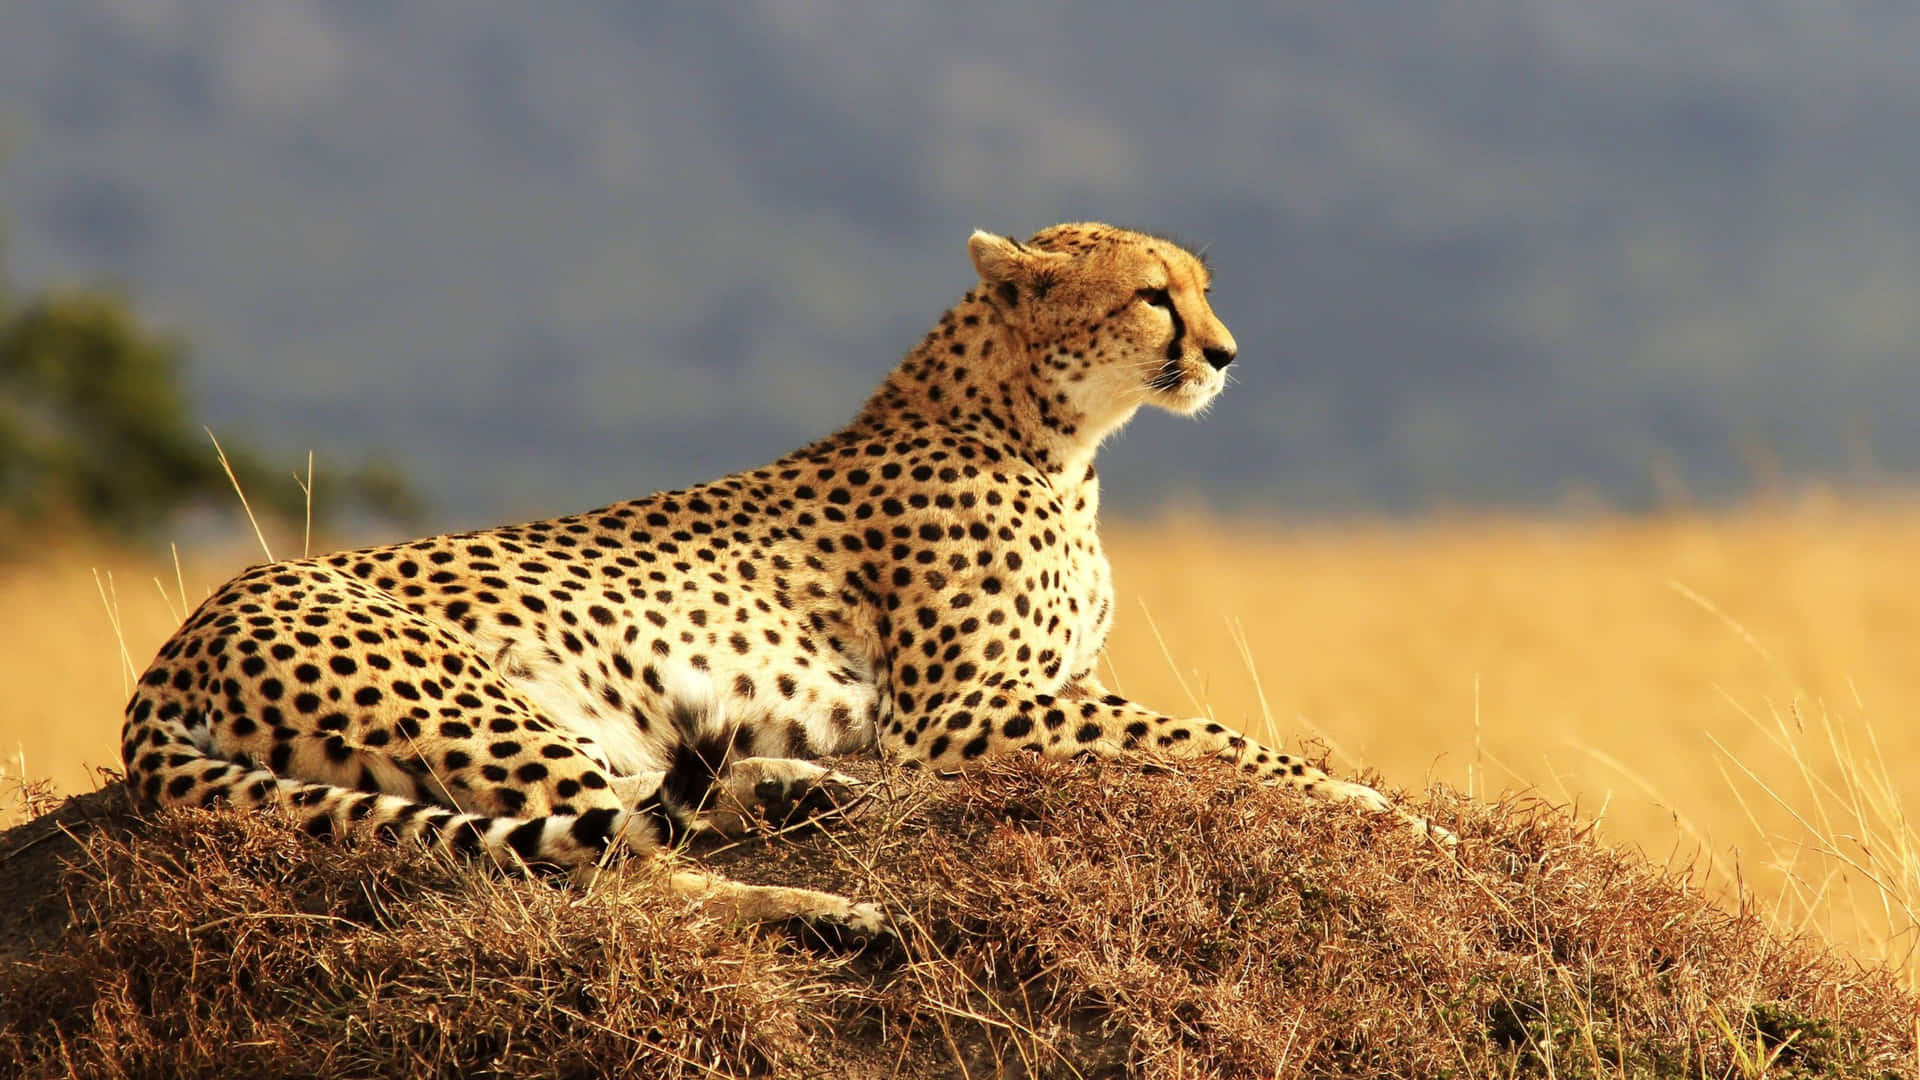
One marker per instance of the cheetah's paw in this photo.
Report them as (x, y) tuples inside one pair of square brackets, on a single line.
[(779, 792), (1367, 798)]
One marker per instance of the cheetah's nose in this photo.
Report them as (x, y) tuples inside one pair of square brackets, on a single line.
[(1218, 356)]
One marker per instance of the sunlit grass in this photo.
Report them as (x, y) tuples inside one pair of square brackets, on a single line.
[(1722, 691), (1726, 692)]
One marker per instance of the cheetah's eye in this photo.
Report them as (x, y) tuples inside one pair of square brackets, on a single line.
[(1159, 298)]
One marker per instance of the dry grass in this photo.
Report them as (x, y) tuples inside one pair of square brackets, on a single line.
[(1059, 921), (1670, 677), (60, 659)]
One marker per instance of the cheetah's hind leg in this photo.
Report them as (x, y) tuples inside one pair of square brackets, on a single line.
[(755, 792), (811, 916), (748, 792)]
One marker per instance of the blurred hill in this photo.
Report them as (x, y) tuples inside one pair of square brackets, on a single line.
[(1484, 251), (95, 435)]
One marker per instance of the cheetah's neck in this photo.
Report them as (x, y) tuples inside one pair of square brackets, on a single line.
[(977, 375)]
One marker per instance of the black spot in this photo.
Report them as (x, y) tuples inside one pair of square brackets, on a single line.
[(467, 837), (594, 828), (525, 839)]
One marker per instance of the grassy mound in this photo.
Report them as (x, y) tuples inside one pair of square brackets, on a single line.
[(1059, 921)]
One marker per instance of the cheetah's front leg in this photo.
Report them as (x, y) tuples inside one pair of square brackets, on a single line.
[(1087, 720)]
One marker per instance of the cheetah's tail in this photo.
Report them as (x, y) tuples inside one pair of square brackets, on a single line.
[(167, 766)]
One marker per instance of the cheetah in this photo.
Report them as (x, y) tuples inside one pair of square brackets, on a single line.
[(927, 584)]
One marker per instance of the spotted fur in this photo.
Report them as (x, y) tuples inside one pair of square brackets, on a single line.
[(927, 584)]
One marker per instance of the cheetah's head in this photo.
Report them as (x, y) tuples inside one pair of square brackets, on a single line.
[(1113, 319)]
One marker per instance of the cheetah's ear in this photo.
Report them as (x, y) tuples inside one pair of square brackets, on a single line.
[(995, 258), (1010, 267)]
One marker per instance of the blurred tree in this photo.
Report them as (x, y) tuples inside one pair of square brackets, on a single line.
[(95, 427)]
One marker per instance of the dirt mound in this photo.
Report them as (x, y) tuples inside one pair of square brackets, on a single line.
[(1057, 921)]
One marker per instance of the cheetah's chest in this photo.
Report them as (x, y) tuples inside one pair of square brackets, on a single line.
[(1084, 602)]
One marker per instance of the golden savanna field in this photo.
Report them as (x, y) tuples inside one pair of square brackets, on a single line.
[(1729, 691)]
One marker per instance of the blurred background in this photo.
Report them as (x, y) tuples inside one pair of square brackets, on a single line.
[(1565, 455), (1488, 252)]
